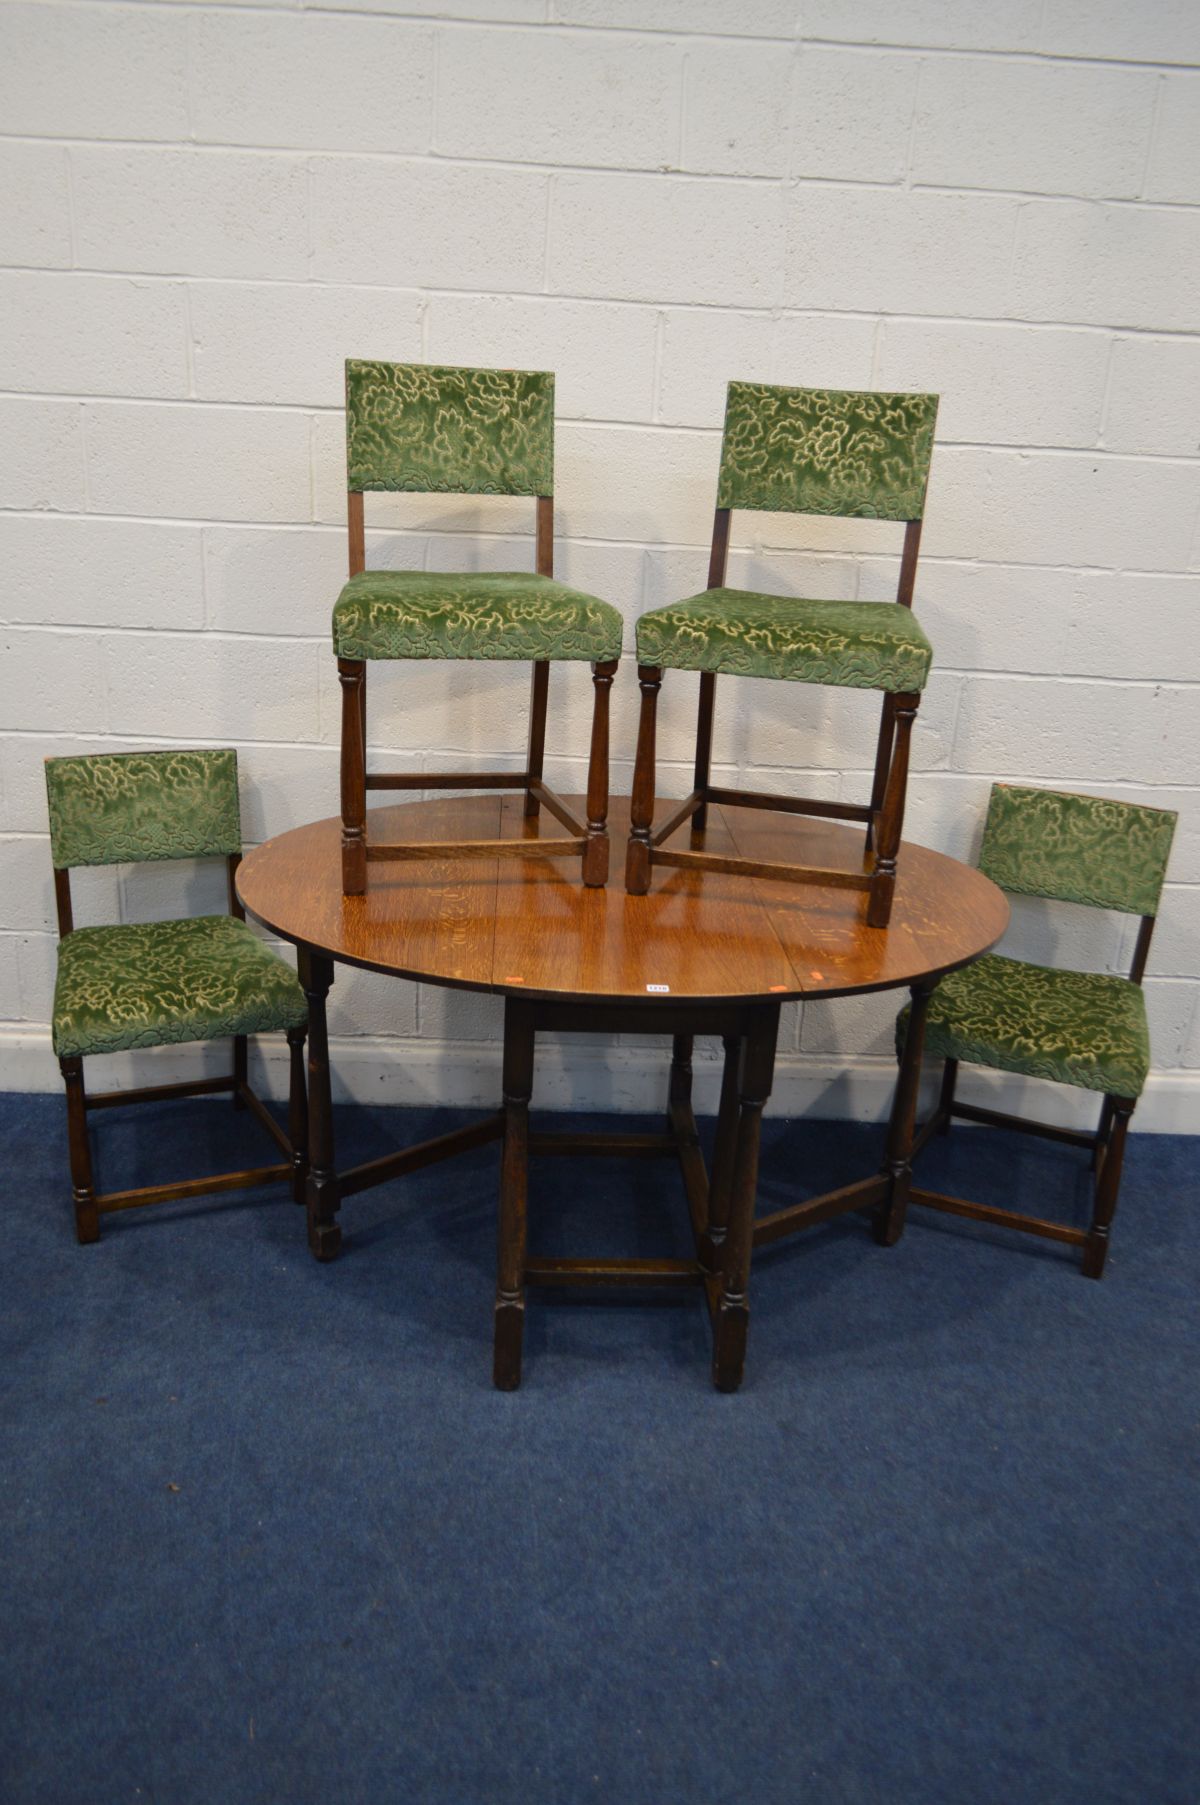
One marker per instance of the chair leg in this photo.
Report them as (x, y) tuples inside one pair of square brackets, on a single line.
[(704, 731), (889, 1224), (733, 1307), (641, 807), (883, 759), (595, 852), (352, 676), (883, 878), (946, 1099), (509, 1327), (298, 1114), (537, 734), (83, 1189), (1108, 1183), (240, 1070)]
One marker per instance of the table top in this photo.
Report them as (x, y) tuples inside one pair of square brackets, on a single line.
[(527, 926)]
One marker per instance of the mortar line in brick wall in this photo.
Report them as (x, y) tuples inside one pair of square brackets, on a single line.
[(563, 28), (768, 310), (592, 423), (87, 462), (547, 228), (681, 135), (1056, 198), (310, 248), (189, 350), (648, 172), (968, 53), (913, 116), (1106, 399), (434, 84), (191, 22), (1152, 135), (72, 232), (92, 630), (600, 542)]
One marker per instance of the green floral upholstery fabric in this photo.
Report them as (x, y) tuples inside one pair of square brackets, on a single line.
[(123, 807), (495, 614), (1077, 1027), (826, 451), (1081, 849), (151, 984), (855, 645), (426, 428)]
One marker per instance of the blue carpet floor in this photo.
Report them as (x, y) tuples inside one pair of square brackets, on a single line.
[(269, 1535)]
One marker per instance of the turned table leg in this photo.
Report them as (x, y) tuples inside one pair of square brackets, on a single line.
[(298, 1114), (733, 1308), (898, 1159), (514, 1190), (720, 1187), (321, 1191)]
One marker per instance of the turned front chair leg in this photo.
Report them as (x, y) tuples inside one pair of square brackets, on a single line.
[(889, 1225), (352, 677), (883, 878), (733, 1307), (321, 1190), (595, 851), (1095, 1248), (704, 732), (298, 1113), (883, 759), (83, 1189), (509, 1325), (535, 763), (641, 807)]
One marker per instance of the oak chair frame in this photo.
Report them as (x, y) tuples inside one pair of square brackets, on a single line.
[(883, 816), (1106, 1146), (89, 1204), (589, 840)]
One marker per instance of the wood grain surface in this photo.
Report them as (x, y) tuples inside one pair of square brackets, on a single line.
[(528, 926)]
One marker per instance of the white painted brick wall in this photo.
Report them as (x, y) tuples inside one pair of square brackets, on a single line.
[(205, 208)]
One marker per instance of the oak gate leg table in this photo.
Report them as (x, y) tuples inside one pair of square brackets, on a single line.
[(704, 953)]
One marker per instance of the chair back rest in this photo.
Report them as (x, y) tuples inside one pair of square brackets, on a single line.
[(125, 807), (853, 453), (1082, 849), (426, 428)]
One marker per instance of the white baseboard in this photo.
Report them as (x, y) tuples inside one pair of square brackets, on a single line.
[(620, 1078)]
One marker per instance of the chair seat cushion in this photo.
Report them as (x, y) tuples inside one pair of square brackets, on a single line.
[(149, 984), (853, 645), (1077, 1027), (485, 614)]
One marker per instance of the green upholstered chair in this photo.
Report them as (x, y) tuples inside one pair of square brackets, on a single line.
[(422, 428), (804, 451), (1086, 1029), (157, 983)]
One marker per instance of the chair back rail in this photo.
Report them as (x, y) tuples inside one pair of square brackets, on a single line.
[(117, 808), (848, 453), (1092, 850), (429, 429)]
